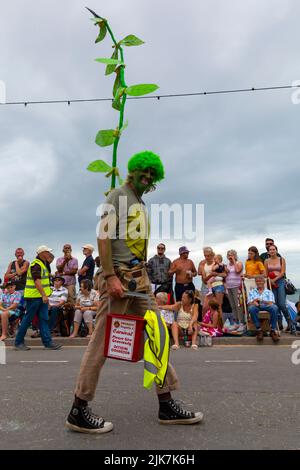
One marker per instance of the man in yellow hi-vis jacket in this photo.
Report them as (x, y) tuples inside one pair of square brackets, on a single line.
[(36, 294), (122, 244)]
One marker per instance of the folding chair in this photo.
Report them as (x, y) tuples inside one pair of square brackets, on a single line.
[(264, 317)]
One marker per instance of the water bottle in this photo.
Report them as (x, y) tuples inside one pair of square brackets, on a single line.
[(185, 338)]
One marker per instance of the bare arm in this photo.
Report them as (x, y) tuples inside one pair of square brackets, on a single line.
[(173, 268), (194, 271), (23, 269), (174, 307), (9, 274)]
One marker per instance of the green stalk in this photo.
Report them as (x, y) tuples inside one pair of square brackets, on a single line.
[(122, 110)]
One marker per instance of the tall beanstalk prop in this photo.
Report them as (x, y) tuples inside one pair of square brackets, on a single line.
[(116, 65)]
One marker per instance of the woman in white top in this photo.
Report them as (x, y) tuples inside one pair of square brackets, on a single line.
[(86, 306), (186, 319)]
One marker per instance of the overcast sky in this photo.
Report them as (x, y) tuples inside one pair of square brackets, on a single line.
[(237, 154)]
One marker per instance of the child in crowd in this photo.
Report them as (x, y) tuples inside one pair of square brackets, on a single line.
[(168, 316), (218, 267), (212, 323)]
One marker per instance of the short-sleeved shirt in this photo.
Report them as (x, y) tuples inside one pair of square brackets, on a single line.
[(90, 263), (129, 227), (168, 316), (265, 296), (158, 268), (254, 268), (84, 301), (57, 296), (10, 299), (69, 266)]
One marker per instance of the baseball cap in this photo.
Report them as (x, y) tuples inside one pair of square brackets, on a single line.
[(42, 248), (183, 249), (89, 247)]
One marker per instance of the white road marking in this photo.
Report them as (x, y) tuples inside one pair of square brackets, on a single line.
[(237, 361), (51, 362)]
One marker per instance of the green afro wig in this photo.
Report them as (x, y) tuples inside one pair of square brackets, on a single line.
[(147, 159)]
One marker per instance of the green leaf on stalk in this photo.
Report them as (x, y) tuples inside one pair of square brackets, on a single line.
[(110, 61), (112, 67), (142, 89), (99, 166), (103, 31), (105, 138), (97, 20), (131, 40), (117, 83), (116, 104), (117, 101)]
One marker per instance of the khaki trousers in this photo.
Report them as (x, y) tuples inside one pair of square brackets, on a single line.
[(93, 359), (71, 294)]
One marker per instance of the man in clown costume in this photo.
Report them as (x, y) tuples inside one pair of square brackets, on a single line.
[(122, 244)]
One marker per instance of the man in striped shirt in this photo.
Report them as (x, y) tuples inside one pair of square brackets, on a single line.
[(260, 299)]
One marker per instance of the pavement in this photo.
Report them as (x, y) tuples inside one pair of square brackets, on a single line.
[(250, 397), (285, 339)]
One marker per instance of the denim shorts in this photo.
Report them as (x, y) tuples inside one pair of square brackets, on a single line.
[(218, 289)]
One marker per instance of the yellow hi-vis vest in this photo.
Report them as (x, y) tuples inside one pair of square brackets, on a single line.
[(31, 291), (156, 349)]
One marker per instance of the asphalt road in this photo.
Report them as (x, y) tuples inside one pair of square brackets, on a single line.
[(252, 404)]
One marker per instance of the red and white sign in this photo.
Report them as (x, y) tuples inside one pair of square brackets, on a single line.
[(122, 336)]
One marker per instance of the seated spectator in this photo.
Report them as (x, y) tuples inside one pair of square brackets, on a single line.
[(212, 323), (297, 319), (259, 299), (168, 316), (186, 322), (57, 300), (254, 266), (85, 308), (9, 302)]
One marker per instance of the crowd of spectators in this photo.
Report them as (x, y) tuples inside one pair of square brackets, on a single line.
[(215, 309)]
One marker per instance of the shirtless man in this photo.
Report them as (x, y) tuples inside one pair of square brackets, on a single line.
[(184, 270)]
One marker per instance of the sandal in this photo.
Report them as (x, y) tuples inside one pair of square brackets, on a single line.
[(194, 346), (175, 347)]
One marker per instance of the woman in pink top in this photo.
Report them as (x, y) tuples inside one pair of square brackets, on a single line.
[(233, 283), (275, 268)]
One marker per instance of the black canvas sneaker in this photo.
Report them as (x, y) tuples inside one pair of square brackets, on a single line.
[(171, 412), (81, 419)]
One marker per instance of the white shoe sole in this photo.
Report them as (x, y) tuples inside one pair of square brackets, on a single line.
[(107, 427), (198, 417)]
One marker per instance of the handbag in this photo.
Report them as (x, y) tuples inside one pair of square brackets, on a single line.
[(290, 289)]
